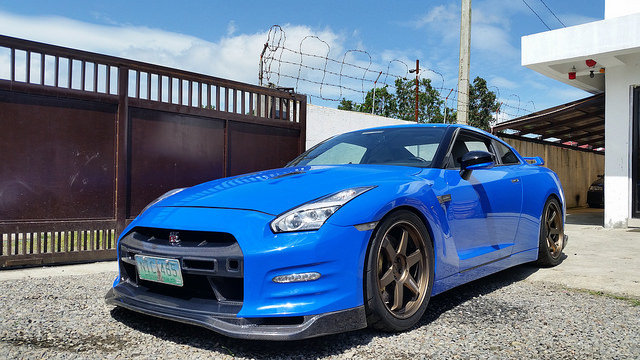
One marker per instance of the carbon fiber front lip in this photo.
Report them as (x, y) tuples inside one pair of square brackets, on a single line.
[(228, 324)]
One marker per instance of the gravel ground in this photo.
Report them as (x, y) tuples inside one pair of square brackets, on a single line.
[(502, 316)]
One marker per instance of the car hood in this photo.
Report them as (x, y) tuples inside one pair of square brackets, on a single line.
[(276, 191)]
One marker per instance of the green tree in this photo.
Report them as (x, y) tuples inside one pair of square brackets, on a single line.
[(430, 106), (385, 102), (482, 104), (348, 105), (401, 104)]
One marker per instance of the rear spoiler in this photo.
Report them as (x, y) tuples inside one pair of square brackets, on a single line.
[(534, 160)]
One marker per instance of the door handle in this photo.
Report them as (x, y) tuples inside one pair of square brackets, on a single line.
[(515, 180)]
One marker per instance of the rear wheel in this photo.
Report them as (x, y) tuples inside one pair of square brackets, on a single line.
[(399, 272), (551, 234)]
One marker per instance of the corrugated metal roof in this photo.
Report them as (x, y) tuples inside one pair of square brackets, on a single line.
[(579, 123)]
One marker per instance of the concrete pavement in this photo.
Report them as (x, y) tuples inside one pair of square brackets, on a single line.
[(597, 259)]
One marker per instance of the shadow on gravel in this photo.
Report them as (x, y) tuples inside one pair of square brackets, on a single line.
[(317, 347)]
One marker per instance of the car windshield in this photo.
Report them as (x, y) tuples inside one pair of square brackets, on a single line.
[(406, 146)]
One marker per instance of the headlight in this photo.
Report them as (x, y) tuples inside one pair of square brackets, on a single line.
[(312, 215), (162, 197)]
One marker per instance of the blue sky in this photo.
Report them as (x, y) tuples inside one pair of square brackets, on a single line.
[(225, 39)]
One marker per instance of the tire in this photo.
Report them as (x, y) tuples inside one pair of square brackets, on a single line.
[(398, 272), (551, 234)]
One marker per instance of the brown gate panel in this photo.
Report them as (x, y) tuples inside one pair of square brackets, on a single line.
[(169, 151), (255, 147), (57, 158), (90, 139)]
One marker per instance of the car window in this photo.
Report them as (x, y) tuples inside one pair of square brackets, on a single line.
[(342, 153), (464, 143), (505, 154), (474, 145), (405, 146), (427, 151)]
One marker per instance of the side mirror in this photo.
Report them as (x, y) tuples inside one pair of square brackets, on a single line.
[(475, 160)]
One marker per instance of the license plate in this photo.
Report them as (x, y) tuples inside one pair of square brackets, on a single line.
[(162, 270)]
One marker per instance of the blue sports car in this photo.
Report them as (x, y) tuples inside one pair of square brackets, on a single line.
[(360, 230)]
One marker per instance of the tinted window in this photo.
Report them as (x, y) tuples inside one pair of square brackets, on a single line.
[(464, 143), (407, 146), (342, 153), (506, 155)]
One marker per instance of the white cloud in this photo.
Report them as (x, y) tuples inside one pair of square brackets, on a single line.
[(231, 28), (234, 57), (489, 27), (501, 82), (443, 20)]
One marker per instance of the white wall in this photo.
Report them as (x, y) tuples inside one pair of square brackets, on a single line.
[(324, 122), (615, 8), (618, 131)]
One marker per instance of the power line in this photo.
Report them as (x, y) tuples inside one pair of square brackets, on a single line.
[(552, 13), (530, 8)]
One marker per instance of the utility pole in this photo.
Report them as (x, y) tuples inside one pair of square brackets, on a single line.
[(463, 70), (417, 87), (417, 71)]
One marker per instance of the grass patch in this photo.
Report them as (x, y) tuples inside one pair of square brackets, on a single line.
[(634, 302)]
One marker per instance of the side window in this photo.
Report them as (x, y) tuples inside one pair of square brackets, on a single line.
[(464, 143), (505, 154), (424, 151)]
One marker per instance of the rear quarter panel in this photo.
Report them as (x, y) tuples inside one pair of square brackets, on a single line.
[(538, 184)]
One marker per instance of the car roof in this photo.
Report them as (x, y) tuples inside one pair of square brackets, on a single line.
[(462, 126)]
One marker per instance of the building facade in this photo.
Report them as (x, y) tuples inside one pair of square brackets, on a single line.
[(603, 57)]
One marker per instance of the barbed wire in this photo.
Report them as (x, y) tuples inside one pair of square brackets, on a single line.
[(320, 76)]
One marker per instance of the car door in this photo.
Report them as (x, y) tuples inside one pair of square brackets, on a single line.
[(483, 211)]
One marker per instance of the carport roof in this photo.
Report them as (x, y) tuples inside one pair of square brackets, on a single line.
[(579, 123)]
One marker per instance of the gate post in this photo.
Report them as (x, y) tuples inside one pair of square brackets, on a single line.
[(122, 150)]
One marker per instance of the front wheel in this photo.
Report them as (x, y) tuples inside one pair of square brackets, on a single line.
[(551, 234), (399, 272)]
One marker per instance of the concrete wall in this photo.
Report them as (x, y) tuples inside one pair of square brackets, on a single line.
[(576, 169), (618, 139), (616, 8), (324, 122)]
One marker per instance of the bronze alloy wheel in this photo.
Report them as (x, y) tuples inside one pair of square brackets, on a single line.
[(402, 279), (554, 229), (399, 272), (551, 234)]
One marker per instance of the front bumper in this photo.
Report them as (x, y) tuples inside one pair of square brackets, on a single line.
[(200, 313), (243, 300)]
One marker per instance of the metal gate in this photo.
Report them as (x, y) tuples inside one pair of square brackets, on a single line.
[(87, 140)]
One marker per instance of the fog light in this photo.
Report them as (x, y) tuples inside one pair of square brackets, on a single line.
[(310, 276)]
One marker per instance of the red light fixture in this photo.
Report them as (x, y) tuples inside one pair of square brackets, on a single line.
[(590, 63)]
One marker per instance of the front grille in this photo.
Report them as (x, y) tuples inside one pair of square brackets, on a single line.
[(211, 263)]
